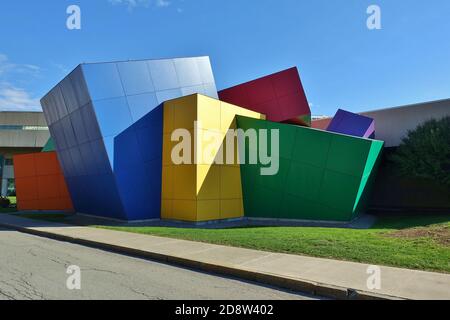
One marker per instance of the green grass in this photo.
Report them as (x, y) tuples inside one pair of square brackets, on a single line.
[(417, 242), (374, 246)]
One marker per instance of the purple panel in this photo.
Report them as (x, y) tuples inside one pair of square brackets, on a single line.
[(352, 124)]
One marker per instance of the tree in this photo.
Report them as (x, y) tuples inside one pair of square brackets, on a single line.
[(425, 152)]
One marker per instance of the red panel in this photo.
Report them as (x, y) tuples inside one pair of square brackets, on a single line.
[(260, 91), (279, 96), (321, 124), (286, 82)]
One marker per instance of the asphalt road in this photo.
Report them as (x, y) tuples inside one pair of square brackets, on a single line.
[(35, 268)]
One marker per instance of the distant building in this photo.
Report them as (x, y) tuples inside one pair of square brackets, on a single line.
[(20, 132), (393, 124)]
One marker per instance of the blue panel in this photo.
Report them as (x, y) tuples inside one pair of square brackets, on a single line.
[(69, 95), (103, 81), (79, 86), (163, 74), (88, 159), (136, 77), (113, 116), (163, 96), (69, 134), (100, 157), (141, 104), (138, 166), (78, 127), (59, 102), (90, 122), (109, 147), (187, 71)]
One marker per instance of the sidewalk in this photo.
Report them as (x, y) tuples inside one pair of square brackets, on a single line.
[(323, 277)]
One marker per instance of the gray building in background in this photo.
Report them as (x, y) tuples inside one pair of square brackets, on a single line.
[(20, 132), (393, 124)]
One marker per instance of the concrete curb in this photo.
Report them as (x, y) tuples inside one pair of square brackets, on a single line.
[(294, 284)]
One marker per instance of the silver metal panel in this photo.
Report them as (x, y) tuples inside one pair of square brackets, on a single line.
[(163, 74), (187, 72), (135, 77), (103, 81)]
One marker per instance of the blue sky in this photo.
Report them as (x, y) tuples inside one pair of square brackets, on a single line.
[(342, 63)]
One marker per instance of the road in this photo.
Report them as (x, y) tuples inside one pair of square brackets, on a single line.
[(35, 268)]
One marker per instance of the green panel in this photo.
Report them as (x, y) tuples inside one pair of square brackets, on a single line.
[(311, 146), (278, 181), (348, 155), (373, 161), (49, 146), (327, 177), (339, 190), (304, 180), (287, 138)]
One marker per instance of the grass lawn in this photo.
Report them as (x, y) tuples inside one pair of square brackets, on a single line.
[(418, 242), (409, 242)]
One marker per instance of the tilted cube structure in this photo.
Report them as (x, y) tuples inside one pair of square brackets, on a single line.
[(322, 175), (353, 124), (279, 96), (40, 183), (205, 186), (95, 103)]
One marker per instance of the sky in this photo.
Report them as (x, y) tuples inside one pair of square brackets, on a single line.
[(342, 63)]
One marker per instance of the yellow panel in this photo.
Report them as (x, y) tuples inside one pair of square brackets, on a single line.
[(208, 113), (185, 111), (184, 182), (167, 188), (209, 146), (230, 209), (208, 182), (185, 210), (168, 118), (230, 183), (168, 144), (229, 112), (208, 210), (167, 209)]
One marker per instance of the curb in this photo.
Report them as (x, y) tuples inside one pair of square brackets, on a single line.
[(294, 284)]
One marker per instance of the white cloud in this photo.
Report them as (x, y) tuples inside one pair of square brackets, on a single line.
[(16, 99), (131, 4), (13, 97)]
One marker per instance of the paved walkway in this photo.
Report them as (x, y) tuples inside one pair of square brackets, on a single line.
[(314, 275)]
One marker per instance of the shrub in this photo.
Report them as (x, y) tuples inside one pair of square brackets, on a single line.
[(425, 152), (4, 202)]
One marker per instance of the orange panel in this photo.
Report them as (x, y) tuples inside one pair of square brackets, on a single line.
[(27, 188), (48, 187), (24, 166), (27, 205), (40, 184), (47, 163)]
